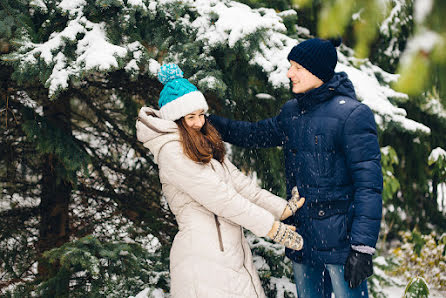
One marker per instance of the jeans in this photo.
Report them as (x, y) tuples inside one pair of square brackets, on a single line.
[(320, 281)]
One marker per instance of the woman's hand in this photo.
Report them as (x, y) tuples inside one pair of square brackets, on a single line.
[(293, 204), (286, 235)]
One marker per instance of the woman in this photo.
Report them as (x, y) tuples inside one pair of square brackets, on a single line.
[(211, 199)]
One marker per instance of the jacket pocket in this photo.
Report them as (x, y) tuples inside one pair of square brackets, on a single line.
[(328, 227)]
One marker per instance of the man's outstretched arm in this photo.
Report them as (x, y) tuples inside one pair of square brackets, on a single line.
[(261, 134)]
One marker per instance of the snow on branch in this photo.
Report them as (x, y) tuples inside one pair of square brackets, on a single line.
[(217, 23), (436, 154)]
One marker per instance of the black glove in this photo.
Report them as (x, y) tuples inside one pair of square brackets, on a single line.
[(358, 268)]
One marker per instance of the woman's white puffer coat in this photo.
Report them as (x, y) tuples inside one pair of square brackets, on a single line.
[(210, 256)]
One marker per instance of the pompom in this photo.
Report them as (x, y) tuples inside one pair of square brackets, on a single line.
[(169, 72), (336, 42)]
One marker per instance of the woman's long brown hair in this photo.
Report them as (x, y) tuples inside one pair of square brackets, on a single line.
[(201, 146)]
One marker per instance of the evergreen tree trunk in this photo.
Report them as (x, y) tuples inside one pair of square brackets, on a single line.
[(56, 191)]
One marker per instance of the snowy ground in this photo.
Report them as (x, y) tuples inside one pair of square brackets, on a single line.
[(396, 292), (390, 292)]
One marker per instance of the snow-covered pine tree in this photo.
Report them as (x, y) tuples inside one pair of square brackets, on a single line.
[(393, 34), (76, 74), (416, 177)]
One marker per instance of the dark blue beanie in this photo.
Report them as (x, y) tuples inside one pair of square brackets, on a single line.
[(318, 56)]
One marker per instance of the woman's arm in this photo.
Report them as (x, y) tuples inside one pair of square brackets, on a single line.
[(249, 189), (204, 186)]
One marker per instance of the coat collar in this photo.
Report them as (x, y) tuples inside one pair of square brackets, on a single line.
[(340, 84)]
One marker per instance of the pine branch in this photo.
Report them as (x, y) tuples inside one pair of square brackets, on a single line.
[(105, 117), (18, 186), (119, 80), (154, 208), (22, 212)]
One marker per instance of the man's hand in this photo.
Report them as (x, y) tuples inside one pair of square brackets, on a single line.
[(293, 204), (358, 268)]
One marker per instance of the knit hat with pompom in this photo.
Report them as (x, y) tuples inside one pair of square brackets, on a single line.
[(179, 97)]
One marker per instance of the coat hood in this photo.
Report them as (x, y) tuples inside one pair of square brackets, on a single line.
[(154, 132)]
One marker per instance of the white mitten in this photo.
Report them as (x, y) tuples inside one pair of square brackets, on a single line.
[(286, 235), (293, 204), (296, 201)]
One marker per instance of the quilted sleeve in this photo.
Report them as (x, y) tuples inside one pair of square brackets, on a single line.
[(204, 186), (363, 157), (261, 134), (249, 189)]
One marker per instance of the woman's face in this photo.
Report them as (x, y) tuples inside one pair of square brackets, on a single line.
[(195, 119)]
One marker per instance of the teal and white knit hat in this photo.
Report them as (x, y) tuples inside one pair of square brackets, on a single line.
[(179, 97)]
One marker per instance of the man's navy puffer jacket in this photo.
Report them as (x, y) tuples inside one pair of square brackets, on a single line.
[(332, 154)]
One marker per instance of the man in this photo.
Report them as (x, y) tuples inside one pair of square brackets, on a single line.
[(332, 155)]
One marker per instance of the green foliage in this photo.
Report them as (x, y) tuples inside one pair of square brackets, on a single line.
[(336, 15), (422, 256), (416, 204), (50, 139), (275, 271), (96, 268), (427, 54), (415, 75), (122, 173), (11, 17), (438, 166), (424, 62), (380, 279), (6, 24), (391, 184), (276, 4), (16, 255), (416, 287), (393, 35)]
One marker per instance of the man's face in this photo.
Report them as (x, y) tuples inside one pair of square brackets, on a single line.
[(302, 79)]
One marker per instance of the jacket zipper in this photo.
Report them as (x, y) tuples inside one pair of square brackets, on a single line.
[(217, 223), (319, 155), (244, 256)]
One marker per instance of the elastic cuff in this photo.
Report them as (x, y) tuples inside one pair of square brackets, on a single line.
[(364, 249)]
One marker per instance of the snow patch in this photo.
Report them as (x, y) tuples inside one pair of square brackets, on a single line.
[(154, 67), (137, 3), (39, 4), (231, 22), (96, 52), (150, 293), (424, 41), (72, 6), (436, 154), (264, 96), (422, 8), (372, 93)]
